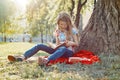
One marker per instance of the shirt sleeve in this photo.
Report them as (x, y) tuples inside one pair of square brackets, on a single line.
[(74, 31)]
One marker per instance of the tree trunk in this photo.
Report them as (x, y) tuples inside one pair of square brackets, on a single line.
[(102, 33), (80, 27), (94, 2), (79, 7), (72, 8), (42, 37)]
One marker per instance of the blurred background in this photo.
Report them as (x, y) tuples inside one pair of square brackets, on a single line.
[(35, 20)]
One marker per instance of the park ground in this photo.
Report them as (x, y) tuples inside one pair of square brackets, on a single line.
[(107, 69)]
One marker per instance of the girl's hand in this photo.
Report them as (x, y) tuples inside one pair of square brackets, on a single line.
[(70, 43), (66, 43), (56, 33)]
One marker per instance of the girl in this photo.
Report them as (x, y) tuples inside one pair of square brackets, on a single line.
[(66, 37)]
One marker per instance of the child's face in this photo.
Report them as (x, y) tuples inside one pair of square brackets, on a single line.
[(62, 24)]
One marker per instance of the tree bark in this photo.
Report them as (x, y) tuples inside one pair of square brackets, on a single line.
[(94, 2), (72, 8), (102, 33), (79, 7)]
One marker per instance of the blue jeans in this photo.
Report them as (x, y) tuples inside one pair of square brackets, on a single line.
[(60, 52)]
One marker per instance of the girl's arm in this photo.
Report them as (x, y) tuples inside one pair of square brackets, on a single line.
[(73, 43), (56, 34), (57, 41)]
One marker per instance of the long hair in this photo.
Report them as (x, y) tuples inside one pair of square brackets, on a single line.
[(63, 16)]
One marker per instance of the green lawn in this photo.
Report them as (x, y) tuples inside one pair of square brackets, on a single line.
[(14, 48), (108, 69)]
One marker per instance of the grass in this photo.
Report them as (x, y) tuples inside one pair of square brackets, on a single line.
[(108, 69), (14, 48)]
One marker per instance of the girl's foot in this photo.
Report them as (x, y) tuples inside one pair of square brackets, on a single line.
[(14, 58), (42, 61)]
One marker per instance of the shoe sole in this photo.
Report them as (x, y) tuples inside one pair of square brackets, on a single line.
[(11, 58), (40, 61)]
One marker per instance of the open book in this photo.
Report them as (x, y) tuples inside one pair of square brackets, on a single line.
[(54, 46)]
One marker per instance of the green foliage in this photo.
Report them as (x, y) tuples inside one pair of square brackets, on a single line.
[(36, 17), (87, 7), (40, 16), (42, 12), (7, 8)]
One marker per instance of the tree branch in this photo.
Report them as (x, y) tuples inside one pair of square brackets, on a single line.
[(84, 2), (72, 8)]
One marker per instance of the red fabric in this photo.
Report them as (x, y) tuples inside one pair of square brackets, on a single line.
[(86, 57)]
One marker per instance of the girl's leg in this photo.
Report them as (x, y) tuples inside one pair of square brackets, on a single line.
[(60, 52), (36, 48)]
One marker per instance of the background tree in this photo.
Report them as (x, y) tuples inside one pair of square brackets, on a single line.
[(102, 33), (7, 8), (79, 7)]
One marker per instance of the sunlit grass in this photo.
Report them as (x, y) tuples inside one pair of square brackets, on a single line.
[(108, 69), (14, 48)]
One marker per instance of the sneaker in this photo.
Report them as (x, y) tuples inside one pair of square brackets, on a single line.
[(14, 58), (42, 61)]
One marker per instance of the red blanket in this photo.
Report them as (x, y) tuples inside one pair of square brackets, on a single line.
[(83, 56)]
